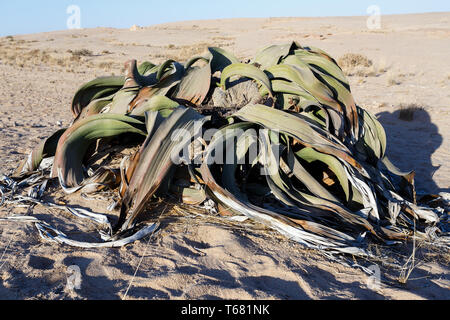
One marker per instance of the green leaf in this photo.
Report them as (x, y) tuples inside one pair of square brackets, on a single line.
[(155, 161), (310, 155), (220, 59), (145, 67), (195, 85), (244, 140), (157, 103), (373, 134), (205, 58), (122, 100), (95, 107), (95, 89), (306, 232), (74, 143), (272, 55), (323, 64), (304, 78), (307, 179), (44, 150), (298, 128), (291, 88), (248, 71)]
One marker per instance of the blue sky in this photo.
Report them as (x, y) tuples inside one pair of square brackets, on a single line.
[(20, 17)]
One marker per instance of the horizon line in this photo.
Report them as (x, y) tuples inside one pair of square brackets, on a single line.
[(218, 19)]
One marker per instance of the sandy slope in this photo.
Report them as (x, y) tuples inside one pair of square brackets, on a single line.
[(195, 257)]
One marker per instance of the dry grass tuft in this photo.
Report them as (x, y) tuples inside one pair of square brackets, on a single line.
[(185, 52), (355, 64), (23, 57), (353, 60), (82, 53), (407, 111), (224, 38), (107, 65)]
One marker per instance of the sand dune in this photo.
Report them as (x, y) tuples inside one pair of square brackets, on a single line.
[(196, 257)]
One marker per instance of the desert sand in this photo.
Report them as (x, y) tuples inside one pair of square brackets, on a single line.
[(198, 257)]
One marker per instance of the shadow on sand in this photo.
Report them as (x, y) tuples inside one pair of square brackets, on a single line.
[(411, 145)]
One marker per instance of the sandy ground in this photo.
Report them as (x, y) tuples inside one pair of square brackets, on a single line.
[(194, 257)]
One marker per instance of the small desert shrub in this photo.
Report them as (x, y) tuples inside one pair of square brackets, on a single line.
[(34, 52), (352, 60), (23, 57), (106, 65), (188, 51), (354, 64), (82, 53), (74, 58), (223, 38), (157, 56), (60, 62), (407, 111)]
